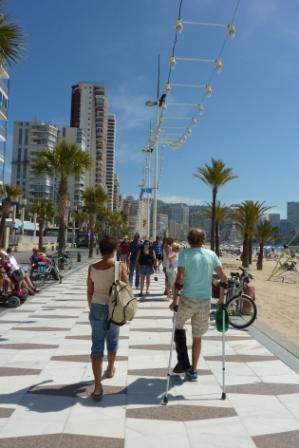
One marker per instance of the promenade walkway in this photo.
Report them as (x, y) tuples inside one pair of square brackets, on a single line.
[(46, 381)]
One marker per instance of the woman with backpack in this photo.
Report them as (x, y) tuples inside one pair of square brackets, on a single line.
[(146, 260), (101, 275)]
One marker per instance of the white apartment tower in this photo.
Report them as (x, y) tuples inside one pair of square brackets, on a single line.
[(89, 111), (110, 160), (3, 118), (29, 138)]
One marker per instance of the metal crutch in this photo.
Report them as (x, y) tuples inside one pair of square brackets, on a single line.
[(223, 306), (165, 397)]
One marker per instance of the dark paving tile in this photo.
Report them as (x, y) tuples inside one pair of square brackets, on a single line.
[(67, 300), (54, 316), (153, 317), (61, 440), (152, 330), (83, 322), (73, 390), (85, 337), (156, 308), (27, 346), (227, 338), (152, 347), (241, 358), (264, 389), (17, 321), (180, 413), (82, 358), (17, 371), (24, 310), (6, 412), (288, 439), (51, 308), (160, 372), (41, 328)]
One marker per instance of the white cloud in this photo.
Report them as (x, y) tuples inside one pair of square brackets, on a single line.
[(130, 109)]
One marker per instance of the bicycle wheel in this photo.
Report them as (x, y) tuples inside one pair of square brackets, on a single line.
[(241, 311)]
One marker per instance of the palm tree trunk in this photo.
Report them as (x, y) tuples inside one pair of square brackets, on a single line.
[(92, 220), (245, 254), (62, 201), (213, 218), (250, 249), (217, 240), (5, 214), (259, 265), (41, 234)]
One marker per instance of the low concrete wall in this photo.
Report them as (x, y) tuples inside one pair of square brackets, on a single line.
[(24, 243)]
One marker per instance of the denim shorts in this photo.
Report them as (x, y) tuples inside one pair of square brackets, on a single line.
[(102, 330), (146, 270)]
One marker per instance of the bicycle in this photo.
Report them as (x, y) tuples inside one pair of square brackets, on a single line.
[(240, 307)]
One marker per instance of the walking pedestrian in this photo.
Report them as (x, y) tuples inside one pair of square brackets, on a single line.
[(134, 247), (157, 248), (99, 281), (194, 279), (146, 261), (172, 267), (166, 250)]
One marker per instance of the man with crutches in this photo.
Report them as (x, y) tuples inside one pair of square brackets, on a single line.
[(196, 266)]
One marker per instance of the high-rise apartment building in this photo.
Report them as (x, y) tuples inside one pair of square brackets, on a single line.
[(293, 214), (117, 198), (3, 117), (29, 138), (110, 159), (179, 213), (274, 218), (76, 184), (89, 111)]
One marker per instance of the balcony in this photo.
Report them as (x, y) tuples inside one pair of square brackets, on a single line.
[(3, 73), (4, 87), (2, 134), (3, 112)]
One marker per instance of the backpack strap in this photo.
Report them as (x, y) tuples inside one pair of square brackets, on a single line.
[(116, 271)]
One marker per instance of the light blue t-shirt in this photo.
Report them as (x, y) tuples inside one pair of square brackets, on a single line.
[(198, 264)]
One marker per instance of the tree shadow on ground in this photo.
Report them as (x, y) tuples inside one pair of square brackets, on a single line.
[(45, 397)]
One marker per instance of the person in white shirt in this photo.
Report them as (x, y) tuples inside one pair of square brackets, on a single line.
[(10, 254)]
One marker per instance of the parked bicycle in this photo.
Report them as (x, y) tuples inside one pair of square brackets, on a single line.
[(63, 260), (42, 272), (240, 307)]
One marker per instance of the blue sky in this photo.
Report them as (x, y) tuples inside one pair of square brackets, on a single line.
[(250, 121)]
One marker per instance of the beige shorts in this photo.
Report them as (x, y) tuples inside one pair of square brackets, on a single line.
[(196, 310)]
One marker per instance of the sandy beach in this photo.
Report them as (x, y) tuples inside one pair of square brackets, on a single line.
[(277, 302)]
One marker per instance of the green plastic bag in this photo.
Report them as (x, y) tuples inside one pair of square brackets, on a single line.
[(219, 320)]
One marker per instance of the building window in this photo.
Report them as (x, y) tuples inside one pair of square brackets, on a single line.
[(20, 135), (26, 137)]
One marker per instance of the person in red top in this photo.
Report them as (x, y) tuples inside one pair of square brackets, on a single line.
[(124, 249)]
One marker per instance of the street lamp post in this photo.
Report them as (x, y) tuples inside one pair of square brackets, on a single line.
[(154, 146)]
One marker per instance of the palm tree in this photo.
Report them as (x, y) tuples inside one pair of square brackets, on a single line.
[(10, 194), (66, 160), (247, 214), (81, 218), (216, 175), (11, 39), (45, 211), (264, 232), (94, 200), (221, 213)]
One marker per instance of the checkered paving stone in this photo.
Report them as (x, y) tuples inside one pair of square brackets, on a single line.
[(46, 382)]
